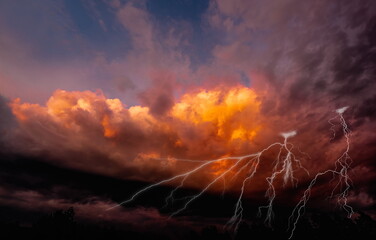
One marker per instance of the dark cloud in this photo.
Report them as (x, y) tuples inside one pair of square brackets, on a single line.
[(367, 109), (314, 52), (7, 124), (159, 98)]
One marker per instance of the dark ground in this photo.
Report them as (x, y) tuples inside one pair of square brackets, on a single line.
[(62, 225), (20, 173)]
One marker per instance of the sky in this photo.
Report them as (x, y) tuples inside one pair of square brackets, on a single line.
[(103, 89)]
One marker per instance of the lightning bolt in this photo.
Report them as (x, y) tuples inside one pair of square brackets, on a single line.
[(286, 170), (284, 166), (340, 172)]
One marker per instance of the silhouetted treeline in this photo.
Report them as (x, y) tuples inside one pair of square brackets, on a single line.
[(62, 225)]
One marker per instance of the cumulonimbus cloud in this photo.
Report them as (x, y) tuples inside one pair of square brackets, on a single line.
[(102, 135)]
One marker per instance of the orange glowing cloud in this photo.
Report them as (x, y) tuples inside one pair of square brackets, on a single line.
[(103, 135), (230, 111)]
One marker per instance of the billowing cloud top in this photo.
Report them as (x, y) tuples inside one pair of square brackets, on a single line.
[(95, 131)]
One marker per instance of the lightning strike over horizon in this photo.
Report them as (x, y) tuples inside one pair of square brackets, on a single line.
[(284, 166), (340, 171), (286, 170)]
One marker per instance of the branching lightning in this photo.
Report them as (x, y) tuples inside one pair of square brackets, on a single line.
[(284, 166), (340, 172)]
